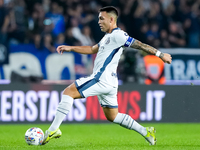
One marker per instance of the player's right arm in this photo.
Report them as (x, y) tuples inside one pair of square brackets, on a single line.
[(151, 50), (123, 39), (78, 49)]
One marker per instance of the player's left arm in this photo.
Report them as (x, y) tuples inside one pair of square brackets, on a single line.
[(78, 49), (149, 49)]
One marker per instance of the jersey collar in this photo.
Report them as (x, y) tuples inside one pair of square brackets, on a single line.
[(115, 29)]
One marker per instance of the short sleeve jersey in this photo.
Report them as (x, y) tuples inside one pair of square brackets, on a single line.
[(107, 59)]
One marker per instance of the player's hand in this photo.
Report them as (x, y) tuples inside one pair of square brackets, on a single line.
[(62, 48), (167, 58)]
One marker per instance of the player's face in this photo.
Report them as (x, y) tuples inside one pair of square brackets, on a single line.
[(104, 21)]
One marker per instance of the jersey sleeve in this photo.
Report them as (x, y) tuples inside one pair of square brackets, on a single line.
[(123, 39)]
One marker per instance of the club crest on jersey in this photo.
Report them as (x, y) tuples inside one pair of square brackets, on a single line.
[(107, 41), (125, 34)]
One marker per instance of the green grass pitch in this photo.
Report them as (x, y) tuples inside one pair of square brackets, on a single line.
[(105, 137)]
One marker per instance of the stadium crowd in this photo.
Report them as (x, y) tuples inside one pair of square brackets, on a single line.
[(49, 23), (160, 23)]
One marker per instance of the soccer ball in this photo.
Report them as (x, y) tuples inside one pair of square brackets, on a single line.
[(34, 136)]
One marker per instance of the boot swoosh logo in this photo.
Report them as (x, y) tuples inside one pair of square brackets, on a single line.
[(52, 134)]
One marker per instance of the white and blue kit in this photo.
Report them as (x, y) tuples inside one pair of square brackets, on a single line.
[(104, 82)]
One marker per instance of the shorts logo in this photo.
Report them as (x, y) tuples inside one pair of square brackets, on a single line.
[(108, 41), (113, 74)]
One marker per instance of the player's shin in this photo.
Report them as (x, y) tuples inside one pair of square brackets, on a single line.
[(126, 121), (62, 110)]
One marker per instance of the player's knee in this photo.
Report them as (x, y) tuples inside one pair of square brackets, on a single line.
[(72, 91), (67, 90), (110, 113), (111, 118)]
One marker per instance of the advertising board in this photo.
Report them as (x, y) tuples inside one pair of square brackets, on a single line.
[(36, 103)]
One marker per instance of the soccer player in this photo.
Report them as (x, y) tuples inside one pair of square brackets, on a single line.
[(103, 81)]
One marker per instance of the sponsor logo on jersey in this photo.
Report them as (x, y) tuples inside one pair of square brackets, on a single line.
[(107, 41), (102, 48)]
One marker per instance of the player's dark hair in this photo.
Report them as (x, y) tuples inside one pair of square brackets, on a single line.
[(110, 9)]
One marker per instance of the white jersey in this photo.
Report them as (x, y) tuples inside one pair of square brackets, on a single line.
[(110, 50)]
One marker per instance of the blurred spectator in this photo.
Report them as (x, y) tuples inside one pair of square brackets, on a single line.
[(77, 12), (169, 13), (96, 32), (37, 41), (138, 19), (133, 14), (57, 18), (164, 42), (60, 40), (48, 26), (46, 5), (176, 35), (4, 22), (48, 43), (37, 23), (106, 2), (17, 28), (153, 35), (70, 40), (155, 13), (40, 14), (191, 23), (76, 31), (87, 38), (30, 4)]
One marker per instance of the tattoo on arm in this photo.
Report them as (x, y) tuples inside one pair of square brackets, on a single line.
[(145, 47)]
